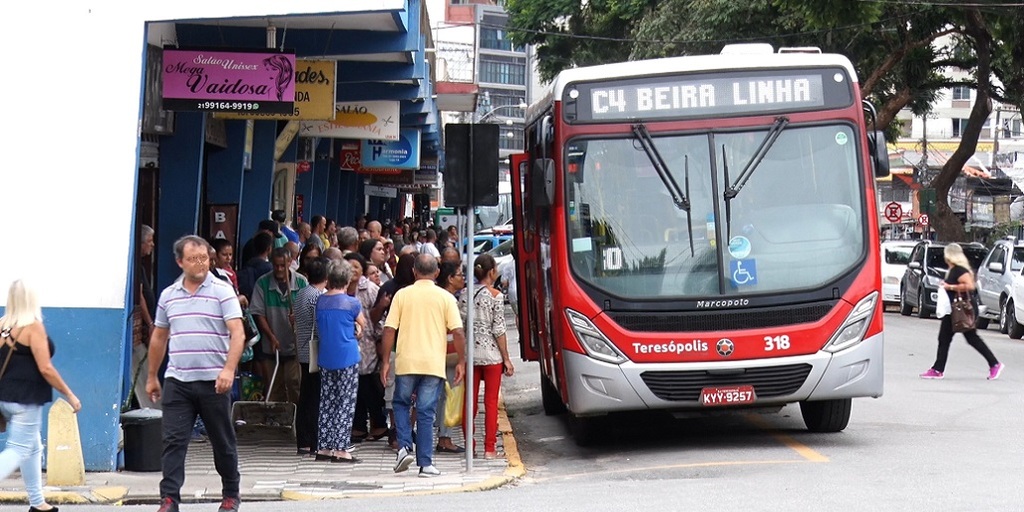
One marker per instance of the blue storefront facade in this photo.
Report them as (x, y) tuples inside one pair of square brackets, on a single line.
[(115, 170)]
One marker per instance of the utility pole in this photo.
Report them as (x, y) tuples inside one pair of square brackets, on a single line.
[(924, 149), (995, 138)]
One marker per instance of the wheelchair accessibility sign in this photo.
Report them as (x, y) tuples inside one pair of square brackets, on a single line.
[(743, 272)]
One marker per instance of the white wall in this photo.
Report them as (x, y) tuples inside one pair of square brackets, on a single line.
[(73, 94)]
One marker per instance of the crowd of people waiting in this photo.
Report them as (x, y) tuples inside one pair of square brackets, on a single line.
[(321, 297)]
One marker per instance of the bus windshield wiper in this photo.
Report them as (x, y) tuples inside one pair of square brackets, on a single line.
[(748, 170), (679, 198)]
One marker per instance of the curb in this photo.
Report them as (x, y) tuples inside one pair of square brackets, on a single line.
[(60, 496), (113, 495), (513, 472)]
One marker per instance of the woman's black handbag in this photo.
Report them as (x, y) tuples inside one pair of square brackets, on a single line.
[(963, 315)]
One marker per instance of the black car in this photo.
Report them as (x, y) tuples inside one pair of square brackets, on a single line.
[(926, 270)]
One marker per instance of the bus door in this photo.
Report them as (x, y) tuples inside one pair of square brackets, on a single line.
[(525, 256)]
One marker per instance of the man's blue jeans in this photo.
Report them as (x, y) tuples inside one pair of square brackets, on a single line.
[(427, 389), (24, 448)]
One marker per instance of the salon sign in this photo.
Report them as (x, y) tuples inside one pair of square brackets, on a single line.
[(314, 94), (358, 120), (228, 81)]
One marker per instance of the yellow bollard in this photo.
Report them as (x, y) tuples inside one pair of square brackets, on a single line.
[(65, 465)]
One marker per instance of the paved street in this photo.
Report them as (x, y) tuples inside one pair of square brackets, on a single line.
[(953, 444)]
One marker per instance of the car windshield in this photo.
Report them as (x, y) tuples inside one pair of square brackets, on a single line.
[(503, 249), (798, 223), (897, 254), (482, 245), (937, 259)]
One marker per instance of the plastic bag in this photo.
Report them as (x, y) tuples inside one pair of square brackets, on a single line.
[(453, 405), (942, 305), (252, 333)]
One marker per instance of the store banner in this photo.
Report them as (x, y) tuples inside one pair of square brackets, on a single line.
[(358, 120), (403, 153), (314, 94), (209, 80), (379, 191), (426, 175), (350, 160), (223, 222), (403, 178)]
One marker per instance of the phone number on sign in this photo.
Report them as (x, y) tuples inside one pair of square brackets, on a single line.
[(228, 105)]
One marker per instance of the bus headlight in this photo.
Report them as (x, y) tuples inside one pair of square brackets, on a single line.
[(593, 341), (852, 330)]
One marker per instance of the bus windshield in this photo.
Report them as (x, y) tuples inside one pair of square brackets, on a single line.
[(798, 224)]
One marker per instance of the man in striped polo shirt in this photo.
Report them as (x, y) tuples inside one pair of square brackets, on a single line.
[(199, 323)]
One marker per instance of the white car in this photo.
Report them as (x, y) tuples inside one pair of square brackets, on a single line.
[(502, 254), (995, 282), (895, 256), (1014, 307)]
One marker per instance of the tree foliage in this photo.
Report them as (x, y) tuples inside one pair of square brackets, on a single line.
[(903, 51), (571, 33)]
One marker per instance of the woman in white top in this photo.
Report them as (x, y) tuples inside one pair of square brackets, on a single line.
[(490, 347)]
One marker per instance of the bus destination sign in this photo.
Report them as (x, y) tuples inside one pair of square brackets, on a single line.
[(689, 96)]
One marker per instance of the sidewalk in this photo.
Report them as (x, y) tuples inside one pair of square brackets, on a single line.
[(271, 471)]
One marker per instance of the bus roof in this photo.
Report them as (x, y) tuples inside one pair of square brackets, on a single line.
[(696, 63)]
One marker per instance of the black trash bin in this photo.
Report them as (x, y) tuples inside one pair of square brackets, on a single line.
[(143, 440)]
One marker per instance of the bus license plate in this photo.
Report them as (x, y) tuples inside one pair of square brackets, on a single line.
[(733, 395)]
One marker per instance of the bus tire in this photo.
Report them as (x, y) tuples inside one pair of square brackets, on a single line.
[(826, 415), (585, 429), (549, 396)]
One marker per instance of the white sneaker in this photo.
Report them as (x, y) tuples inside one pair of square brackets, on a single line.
[(429, 472), (404, 460)]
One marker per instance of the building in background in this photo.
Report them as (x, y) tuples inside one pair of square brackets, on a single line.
[(473, 43), (990, 182)]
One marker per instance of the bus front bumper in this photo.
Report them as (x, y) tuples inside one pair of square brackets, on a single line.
[(600, 387)]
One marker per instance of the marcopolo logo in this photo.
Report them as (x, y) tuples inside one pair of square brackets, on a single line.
[(728, 303)]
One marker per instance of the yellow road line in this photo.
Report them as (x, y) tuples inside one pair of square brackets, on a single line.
[(670, 466), (805, 451)]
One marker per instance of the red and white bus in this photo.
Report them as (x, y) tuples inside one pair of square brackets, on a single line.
[(700, 233)]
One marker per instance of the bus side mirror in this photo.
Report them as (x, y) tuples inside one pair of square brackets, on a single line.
[(543, 177), (879, 153)]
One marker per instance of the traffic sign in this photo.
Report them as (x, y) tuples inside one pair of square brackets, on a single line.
[(893, 212), (923, 219)]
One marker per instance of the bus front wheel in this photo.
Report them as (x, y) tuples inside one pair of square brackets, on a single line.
[(585, 429), (826, 415)]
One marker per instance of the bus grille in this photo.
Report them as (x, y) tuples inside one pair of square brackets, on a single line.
[(721, 320), (685, 386)]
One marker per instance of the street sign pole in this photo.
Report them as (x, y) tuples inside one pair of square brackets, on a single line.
[(468, 328)]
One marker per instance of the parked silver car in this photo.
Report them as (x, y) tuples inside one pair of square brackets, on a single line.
[(895, 256), (995, 282)]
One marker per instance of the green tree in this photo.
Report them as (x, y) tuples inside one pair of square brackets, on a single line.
[(889, 44), (902, 51), (571, 33)]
